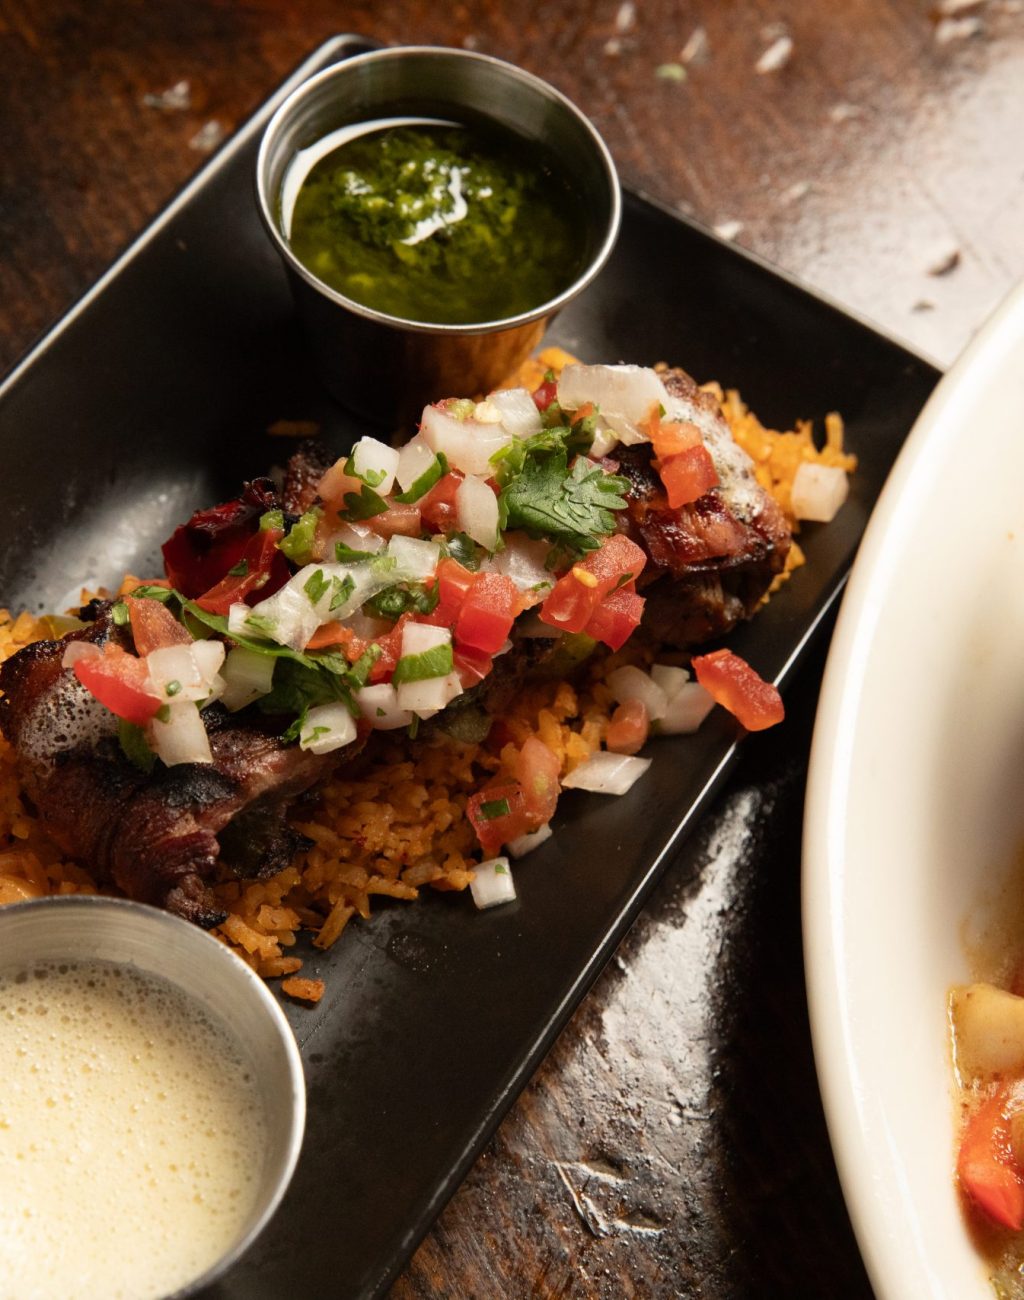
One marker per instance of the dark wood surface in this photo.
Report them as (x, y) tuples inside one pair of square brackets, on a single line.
[(882, 162)]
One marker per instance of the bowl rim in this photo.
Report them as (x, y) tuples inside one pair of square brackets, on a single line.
[(535, 84), (228, 966)]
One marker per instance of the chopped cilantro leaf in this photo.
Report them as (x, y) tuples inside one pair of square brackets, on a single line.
[(365, 505), (459, 546), (346, 555), (342, 589), (494, 808), (543, 496), (371, 478), (436, 662), (239, 570), (150, 592), (316, 587)]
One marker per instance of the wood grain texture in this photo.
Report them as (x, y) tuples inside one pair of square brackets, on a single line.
[(880, 159)]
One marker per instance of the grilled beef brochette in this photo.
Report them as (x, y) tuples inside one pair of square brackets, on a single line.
[(163, 741)]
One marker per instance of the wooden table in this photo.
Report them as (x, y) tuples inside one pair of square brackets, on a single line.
[(873, 149)]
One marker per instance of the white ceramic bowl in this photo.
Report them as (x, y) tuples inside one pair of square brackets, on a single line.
[(915, 808)]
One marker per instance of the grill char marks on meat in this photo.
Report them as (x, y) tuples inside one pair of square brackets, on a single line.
[(711, 562), (306, 467), (159, 837)]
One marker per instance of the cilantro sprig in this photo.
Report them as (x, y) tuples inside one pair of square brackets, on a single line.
[(573, 507)]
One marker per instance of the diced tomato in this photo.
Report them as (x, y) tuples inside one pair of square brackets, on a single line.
[(688, 476), (575, 596), (456, 582), (120, 682), (398, 519), (153, 625), (261, 567), (438, 506), (988, 1173), (670, 437), (629, 728), (498, 814), (537, 769), (391, 651), (545, 394), (732, 683), (334, 485), (199, 553), (337, 634), (487, 612), (617, 617), (471, 665)]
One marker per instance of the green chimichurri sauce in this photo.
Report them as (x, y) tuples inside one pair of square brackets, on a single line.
[(450, 225)]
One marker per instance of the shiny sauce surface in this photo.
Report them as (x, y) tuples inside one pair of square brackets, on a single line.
[(445, 224)]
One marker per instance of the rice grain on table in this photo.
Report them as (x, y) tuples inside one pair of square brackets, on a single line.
[(392, 822)]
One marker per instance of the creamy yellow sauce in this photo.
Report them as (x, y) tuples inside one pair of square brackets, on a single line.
[(131, 1134)]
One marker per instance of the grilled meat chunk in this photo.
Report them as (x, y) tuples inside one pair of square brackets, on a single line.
[(711, 562), (158, 837), (305, 468)]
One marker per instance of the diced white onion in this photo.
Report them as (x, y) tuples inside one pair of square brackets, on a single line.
[(76, 650), (476, 507), (623, 394), (522, 560), (606, 773), (357, 537), (209, 656), (415, 458), (176, 664), (518, 410), (670, 678), (605, 440), (379, 706), (371, 457), (686, 710), (293, 617), (327, 727), (288, 617), (182, 738), (418, 638), (818, 491), (468, 444), (486, 412), (247, 675), (237, 615), (492, 883), (523, 844), (631, 683), (415, 558), (430, 696)]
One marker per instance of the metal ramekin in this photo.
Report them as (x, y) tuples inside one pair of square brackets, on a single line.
[(113, 930), (381, 366)]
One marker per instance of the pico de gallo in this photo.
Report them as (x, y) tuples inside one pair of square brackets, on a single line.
[(398, 591)]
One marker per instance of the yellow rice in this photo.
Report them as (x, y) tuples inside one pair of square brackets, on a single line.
[(392, 824)]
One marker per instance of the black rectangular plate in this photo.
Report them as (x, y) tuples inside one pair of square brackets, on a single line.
[(151, 398)]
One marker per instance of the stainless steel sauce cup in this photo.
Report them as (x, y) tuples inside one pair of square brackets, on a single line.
[(383, 367), (84, 928)]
